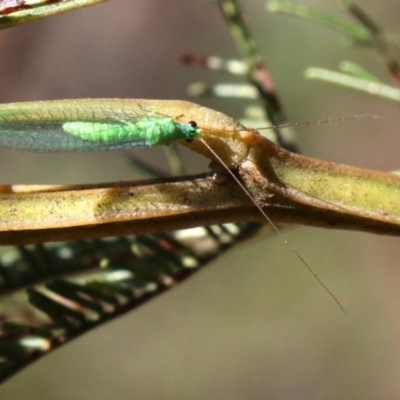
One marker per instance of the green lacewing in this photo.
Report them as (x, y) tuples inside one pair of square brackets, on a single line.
[(100, 125), (117, 133)]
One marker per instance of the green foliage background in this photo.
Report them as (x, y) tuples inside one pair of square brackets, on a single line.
[(255, 325)]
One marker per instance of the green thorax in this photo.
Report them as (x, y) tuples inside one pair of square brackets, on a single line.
[(145, 131)]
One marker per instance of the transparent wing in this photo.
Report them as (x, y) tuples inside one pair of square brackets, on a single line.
[(45, 131)]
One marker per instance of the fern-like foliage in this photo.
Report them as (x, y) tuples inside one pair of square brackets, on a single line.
[(53, 293)]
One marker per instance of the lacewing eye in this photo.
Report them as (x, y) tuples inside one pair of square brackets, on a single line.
[(193, 125)]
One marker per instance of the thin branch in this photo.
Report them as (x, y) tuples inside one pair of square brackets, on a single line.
[(23, 13), (257, 72)]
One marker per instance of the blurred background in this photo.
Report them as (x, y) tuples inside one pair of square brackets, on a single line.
[(255, 324)]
